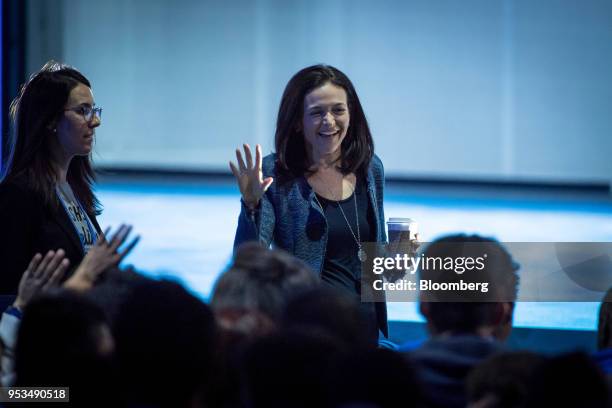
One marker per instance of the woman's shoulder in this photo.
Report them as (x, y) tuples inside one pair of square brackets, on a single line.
[(268, 165), (377, 168), (15, 189), (283, 180), (376, 163), (270, 168), (16, 196)]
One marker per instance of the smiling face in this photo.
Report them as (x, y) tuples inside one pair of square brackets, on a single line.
[(325, 121), (75, 135)]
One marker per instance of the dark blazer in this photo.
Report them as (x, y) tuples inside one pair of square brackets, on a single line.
[(28, 226), (289, 217)]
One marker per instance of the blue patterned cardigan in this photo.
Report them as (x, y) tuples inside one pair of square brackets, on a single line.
[(288, 217)]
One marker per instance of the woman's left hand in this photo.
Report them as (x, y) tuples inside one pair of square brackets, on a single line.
[(409, 248), (414, 245), (100, 257), (401, 248)]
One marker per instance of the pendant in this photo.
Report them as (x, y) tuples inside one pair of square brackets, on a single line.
[(361, 254)]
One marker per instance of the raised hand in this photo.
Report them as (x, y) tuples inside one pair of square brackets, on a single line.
[(41, 274), (250, 176), (100, 257)]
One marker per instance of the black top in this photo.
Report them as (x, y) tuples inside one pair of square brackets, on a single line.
[(341, 266)]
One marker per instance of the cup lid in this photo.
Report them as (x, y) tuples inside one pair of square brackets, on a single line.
[(400, 220)]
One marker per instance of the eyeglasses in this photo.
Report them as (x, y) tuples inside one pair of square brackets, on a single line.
[(87, 112)]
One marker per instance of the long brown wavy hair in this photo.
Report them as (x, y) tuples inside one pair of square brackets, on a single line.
[(357, 147), (33, 114)]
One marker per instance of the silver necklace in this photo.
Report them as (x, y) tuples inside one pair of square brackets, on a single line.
[(361, 254)]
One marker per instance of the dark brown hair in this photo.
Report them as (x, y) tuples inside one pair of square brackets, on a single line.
[(463, 312), (262, 279), (34, 113), (357, 147)]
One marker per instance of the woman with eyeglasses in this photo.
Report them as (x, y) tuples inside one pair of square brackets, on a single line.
[(48, 207)]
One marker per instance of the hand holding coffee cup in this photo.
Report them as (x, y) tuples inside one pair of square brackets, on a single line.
[(403, 230), (403, 239)]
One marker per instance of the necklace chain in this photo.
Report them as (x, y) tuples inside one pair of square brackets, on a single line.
[(360, 253)]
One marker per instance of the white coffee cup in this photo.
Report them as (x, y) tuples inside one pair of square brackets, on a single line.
[(402, 229)]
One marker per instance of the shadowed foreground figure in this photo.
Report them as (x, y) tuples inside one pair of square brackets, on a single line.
[(334, 312), (289, 369), (261, 279), (248, 301), (375, 378), (503, 380), (64, 340), (165, 345), (465, 328), (571, 381)]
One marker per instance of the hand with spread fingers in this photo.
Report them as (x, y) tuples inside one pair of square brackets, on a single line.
[(250, 176), (41, 274), (104, 254), (412, 245), (402, 247)]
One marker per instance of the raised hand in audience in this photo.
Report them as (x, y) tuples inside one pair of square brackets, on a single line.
[(104, 254), (42, 273)]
